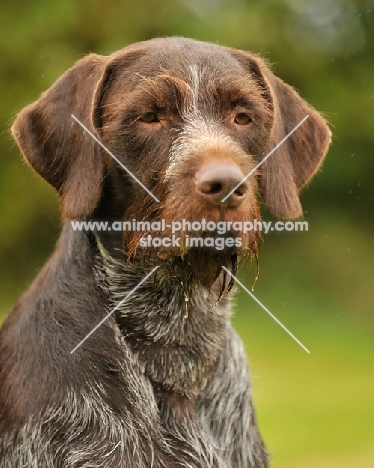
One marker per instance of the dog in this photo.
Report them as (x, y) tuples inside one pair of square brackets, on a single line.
[(163, 381)]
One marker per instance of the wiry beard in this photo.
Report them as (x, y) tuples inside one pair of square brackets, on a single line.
[(193, 266), (196, 266)]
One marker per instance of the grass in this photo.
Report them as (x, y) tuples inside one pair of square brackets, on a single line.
[(315, 410)]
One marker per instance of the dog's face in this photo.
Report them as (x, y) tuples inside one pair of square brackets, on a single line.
[(190, 120), (190, 123)]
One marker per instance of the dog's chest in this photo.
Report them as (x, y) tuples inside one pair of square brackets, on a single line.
[(175, 349), (167, 324)]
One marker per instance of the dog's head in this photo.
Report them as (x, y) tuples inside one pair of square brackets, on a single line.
[(190, 120)]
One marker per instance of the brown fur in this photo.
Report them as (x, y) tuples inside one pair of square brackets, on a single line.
[(158, 384)]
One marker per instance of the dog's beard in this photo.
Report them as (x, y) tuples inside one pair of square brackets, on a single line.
[(200, 255), (190, 266)]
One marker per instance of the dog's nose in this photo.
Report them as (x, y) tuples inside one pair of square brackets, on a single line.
[(215, 181)]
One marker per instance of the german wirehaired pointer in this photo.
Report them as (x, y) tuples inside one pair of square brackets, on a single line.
[(163, 382)]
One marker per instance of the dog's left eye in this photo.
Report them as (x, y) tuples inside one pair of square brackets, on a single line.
[(242, 119), (149, 117)]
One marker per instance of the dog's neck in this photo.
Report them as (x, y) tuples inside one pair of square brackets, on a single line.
[(176, 331)]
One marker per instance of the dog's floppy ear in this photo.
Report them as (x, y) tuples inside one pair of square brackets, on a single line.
[(292, 165), (57, 147)]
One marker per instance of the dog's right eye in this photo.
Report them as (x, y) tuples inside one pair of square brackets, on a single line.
[(242, 119), (149, 117)]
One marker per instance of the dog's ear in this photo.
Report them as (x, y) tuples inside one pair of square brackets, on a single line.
[(57, 147), (297, 159)]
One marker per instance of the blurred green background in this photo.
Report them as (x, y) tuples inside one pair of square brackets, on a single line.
[(316, 410)]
